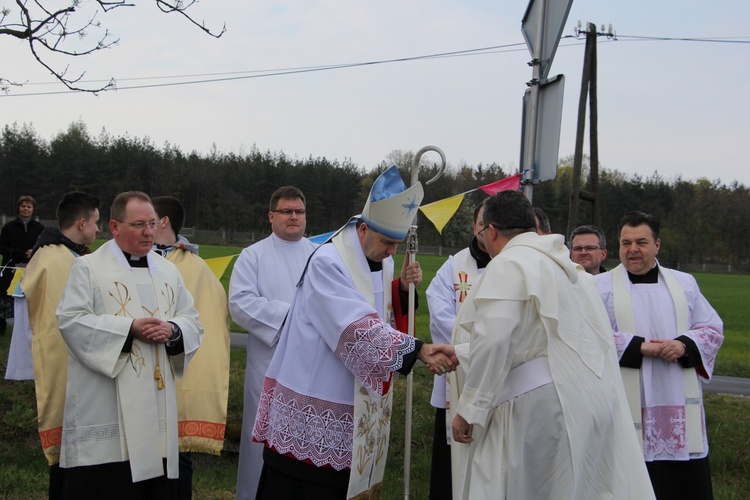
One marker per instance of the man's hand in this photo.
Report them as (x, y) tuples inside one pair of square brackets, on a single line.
[(410, 273), (151, 330), (649, 349), (669, 350), (439, 358), (462, 430)]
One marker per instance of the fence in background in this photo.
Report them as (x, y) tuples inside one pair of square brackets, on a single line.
[(243, 239)]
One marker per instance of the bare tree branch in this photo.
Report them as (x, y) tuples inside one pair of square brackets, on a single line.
[(56, 29), (180, 7)]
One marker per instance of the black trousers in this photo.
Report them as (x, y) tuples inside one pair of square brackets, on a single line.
[(114, 481), (290, 479), (685, 480), (441, 483)]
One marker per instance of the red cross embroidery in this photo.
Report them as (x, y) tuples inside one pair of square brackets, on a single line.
[(462, 286)]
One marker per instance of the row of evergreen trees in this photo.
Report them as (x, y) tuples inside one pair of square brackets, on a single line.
[(702, 221)]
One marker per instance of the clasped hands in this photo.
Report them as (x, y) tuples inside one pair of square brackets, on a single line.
[(151, 330), (668, 350), (439, 358)]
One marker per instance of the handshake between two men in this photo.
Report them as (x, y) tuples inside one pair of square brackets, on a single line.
[(439, 358)]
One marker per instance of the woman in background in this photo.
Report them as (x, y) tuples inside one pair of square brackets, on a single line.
[(17, 239)]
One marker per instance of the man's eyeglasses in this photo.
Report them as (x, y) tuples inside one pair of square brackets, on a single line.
[(588, 249), (140, 225), (290, 211)]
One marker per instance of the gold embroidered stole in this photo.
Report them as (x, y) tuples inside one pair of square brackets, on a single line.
[(147, 437), (372, 413)]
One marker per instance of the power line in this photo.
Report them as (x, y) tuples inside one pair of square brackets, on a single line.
[(286, 71), (675, 39), (292, 70), (252, 74)]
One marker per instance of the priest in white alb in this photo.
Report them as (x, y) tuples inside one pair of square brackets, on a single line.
[(325, 411), (263, 282), (667, 337), (130, 328), (445, 296), (539, 410)]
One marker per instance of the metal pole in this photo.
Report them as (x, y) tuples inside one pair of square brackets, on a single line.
[(529, 166), (411, 250)]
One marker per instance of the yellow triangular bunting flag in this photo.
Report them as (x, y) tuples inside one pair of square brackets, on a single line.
[(219, 264), (440, 212)]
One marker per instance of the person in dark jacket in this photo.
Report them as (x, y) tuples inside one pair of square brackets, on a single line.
[(17, 239)]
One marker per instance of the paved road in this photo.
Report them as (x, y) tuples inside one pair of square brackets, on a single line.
[(728, 385), (722, 385)]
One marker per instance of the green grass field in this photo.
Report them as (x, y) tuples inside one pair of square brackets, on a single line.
[(23, 471), (729, 294)]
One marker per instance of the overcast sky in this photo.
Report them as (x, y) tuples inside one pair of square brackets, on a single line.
[(676, 107)]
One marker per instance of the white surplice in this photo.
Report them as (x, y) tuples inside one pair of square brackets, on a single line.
[(445, 295), (332, 335), (260, 291), (20, 363), (568, 434), (663, 399), (114, 410)]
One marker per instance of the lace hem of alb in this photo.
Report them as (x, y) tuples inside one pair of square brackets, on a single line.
[(308, 428)]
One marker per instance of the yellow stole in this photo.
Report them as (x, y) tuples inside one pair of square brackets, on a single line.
[(43, 285), (203, 391)]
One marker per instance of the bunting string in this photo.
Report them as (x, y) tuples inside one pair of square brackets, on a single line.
[(442, 211), (218, 266)]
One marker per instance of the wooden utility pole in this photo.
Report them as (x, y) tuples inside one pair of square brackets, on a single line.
[(594, 138), (588, 92)]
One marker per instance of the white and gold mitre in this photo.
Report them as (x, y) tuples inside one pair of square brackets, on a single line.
[(391, 206)]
